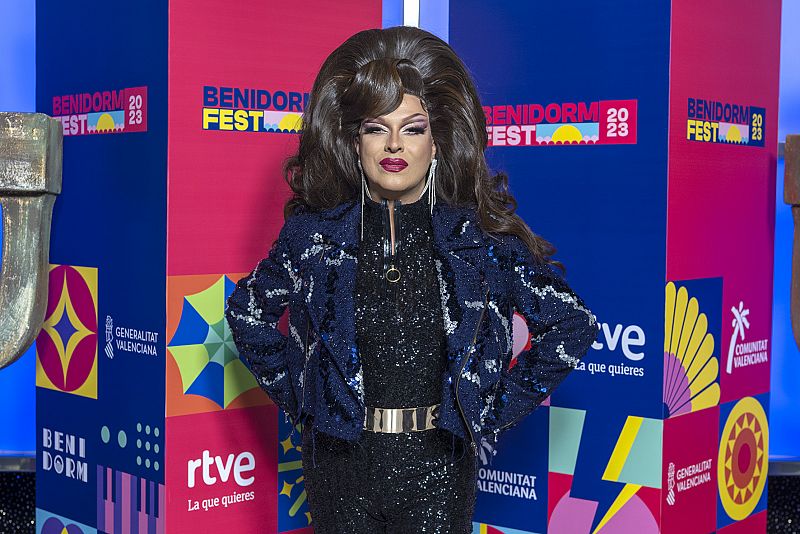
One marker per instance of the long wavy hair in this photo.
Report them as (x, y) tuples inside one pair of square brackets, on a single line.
[(367, 76)]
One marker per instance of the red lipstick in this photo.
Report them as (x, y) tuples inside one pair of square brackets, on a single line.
[(393, 164)]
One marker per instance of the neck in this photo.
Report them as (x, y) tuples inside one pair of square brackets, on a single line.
[(406, 197)]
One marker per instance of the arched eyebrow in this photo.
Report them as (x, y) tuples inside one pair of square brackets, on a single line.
[(407, 119)]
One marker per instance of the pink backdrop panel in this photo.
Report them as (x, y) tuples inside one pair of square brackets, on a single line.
[(721, 194), (226, 191)]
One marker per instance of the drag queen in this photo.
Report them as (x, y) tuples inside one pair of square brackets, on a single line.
[(401, 262)]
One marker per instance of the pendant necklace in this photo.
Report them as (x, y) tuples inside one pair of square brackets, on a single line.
[(391, 257)]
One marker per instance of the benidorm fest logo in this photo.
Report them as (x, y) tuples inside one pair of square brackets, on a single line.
[(713, 121), (246, 109), (102, 112), (603, 122)]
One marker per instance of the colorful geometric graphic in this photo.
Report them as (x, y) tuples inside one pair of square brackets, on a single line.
[(202, 346), (49, 523), (66, 348), (625, 497), (691, 368), (742, 461), (292, 504), (106, 122), (484, 528), (129, 504)]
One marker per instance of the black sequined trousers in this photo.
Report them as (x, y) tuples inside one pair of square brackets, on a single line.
[(419, 481)]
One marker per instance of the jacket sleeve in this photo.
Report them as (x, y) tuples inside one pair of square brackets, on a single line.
[(253, 311), (562, 330)]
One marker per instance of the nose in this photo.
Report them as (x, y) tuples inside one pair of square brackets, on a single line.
[(394, 143)]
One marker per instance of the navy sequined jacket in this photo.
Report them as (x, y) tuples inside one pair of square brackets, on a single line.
[(315, 370)]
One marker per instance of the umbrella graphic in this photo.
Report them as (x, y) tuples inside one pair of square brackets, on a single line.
[(203, 347)]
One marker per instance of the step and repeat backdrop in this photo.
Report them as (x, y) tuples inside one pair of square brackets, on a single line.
[(639, 138)]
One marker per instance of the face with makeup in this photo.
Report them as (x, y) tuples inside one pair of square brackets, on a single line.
[(396, 150)]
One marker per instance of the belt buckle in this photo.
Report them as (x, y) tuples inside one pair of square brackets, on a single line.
[(397, 420)]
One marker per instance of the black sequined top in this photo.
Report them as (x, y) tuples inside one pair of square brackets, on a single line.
[(399, 329)]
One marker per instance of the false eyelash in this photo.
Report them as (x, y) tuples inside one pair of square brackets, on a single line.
[(416, 131)]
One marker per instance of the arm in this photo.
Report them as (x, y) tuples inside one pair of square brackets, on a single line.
[(562, 330), (253, 311)]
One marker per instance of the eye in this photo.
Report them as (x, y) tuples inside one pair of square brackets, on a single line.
[(372, 129), (416, 130)]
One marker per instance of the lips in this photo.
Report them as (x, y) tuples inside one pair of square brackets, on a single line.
[(393, 164)]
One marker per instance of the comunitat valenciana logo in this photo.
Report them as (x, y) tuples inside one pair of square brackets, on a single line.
[(743, 352), (713, 121), (102, 112), (247, 109), (601, 122)]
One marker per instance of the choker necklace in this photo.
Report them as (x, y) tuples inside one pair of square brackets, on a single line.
[(391, 257)]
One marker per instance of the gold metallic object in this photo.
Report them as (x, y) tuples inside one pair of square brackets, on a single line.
[(30, 178), (396, 420), (395, 274)]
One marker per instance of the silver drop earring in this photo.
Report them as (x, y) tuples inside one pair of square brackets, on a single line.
[(363, 188), (430, 186)]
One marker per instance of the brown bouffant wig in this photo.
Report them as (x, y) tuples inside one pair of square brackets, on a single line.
[(367, 76)]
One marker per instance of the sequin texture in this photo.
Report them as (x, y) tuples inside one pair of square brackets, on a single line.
[(422, 481)]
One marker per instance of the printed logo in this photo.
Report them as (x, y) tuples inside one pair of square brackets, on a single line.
[(691, 366), (66, 348), (218, 486), (604, 122), (131, 340), (507, 483), (109, 350), (742, 353), (64, 454), (687, 478), (711, 121), (236, 109), (671, 484), (102, 112), (742, 461)]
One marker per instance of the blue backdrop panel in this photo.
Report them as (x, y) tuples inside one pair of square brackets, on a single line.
[(110, 217), (603, 206)]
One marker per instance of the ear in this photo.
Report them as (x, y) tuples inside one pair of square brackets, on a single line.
[(433, 150)]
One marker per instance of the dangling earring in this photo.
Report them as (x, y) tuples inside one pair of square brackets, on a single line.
[(363, 188), (431, 185)]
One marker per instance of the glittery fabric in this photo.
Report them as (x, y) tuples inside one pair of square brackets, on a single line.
[(399, 325), (317, 370), (422, 481)]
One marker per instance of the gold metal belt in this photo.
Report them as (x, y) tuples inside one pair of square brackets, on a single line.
[(396, 420)]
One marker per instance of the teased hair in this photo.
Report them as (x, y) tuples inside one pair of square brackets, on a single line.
[(367, 76)]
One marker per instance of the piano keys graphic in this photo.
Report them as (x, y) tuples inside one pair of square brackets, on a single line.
[(127, 504)]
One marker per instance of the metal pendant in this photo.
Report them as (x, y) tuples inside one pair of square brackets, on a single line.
[(392, 274)]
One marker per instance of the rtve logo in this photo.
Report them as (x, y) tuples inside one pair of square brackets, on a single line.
[(626, 338), (214, 466)]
